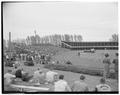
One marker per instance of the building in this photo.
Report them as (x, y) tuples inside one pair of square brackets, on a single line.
[(89, 45)]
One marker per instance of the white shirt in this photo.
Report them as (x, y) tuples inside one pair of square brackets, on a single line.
[(8, 77), (50, 76), (36, 74), (80, 86), (61, 85), (103, 87)]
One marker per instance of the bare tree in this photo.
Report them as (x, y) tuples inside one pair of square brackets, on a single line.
[(67, 38), (114, 38), (79, 37)]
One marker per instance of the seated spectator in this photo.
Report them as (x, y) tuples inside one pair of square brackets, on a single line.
[(39, 77), (14, 70), (23, 72), (18, 73), (16, 64), (50, 75), (9, 77), (61, 84), (36, 73), (80, 85), (102, 87)]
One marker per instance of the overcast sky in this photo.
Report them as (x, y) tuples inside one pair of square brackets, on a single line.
[(94, 21)]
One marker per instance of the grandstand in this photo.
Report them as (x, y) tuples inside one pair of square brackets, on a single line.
[(89, 45)]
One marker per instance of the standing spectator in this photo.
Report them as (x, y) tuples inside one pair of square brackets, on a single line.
[(50, 75), (9, 77), (61, 84), (80, 85), (102, 87), (78, 53), (106, 62), (115, 62), (57, 62)]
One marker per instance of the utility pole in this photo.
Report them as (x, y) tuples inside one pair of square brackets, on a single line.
[(35, 37), (9, 46)]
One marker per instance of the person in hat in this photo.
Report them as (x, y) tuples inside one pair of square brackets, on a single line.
[(106, 62), (80, 85)]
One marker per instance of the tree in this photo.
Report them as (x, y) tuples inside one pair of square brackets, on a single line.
[(79, 38), (114, 38), (67, 38)]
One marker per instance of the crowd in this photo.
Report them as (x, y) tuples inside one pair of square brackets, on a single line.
[(58, 82), (51, 77)]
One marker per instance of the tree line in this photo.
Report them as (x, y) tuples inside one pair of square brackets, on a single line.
[(53, 39)]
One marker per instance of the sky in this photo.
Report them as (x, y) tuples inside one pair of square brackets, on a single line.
[(95, 21)]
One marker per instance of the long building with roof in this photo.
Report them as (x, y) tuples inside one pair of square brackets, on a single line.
[(89, 45)]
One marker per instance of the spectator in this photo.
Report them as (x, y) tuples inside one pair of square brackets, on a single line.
[(36, 73), (50, 75), (39, 77), (35, 76), (106, 62), (18, 73), (78, 53), (57, 62), (115, 62), (102, 87), (9, 77), (80, 85), (16, 64), (14, 70), (61, 84)]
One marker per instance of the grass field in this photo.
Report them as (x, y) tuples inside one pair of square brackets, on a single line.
[(89, 60)]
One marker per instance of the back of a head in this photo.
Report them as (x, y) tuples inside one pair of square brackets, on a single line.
[(102, 80), (116, 54), (82, 77), (61, 77), (9, 71), (16, 67), (106, 55), (38, 69)]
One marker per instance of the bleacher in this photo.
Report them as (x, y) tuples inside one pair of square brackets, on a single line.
[(89, 45)]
